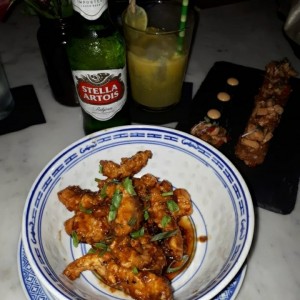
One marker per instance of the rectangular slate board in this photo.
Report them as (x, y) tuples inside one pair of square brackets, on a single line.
[(274, 184)]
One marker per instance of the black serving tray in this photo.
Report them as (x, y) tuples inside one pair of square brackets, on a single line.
[(274, 184)]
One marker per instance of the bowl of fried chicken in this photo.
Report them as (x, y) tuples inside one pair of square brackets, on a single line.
[(138, 212)]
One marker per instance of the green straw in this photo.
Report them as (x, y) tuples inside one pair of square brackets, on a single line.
[(132, 6), (183, 17)]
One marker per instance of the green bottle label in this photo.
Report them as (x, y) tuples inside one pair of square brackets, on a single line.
[(91, 9), (101, 93)]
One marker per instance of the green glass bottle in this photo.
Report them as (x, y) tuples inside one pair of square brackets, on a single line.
[(97, 55)]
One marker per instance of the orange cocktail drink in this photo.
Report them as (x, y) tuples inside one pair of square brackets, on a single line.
[(155, 62)]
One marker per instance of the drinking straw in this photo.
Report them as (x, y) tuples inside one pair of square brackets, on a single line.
[(183, 17), (132, 6)]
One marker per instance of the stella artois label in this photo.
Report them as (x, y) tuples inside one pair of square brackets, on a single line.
[(90, 9), (101, 93)]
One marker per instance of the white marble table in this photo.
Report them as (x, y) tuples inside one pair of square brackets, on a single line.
[(247, 33)]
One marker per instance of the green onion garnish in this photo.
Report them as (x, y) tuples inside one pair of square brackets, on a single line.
[(115, 180), (138, 233), (92, 251), (135, 270), (103, 191), (100, 169), (85, 210), (117, 198), (75, 239), (112, 215), (132, 221), (127, 183), (184, 260), (164, 235), (115, 203), (165, 221), (166, 194), (172, 206), (101, 245), (146, 215)]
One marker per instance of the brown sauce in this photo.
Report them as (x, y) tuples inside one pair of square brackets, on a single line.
[(202, 238), (188, 234), (223, 96), (214, 114), (232, 81)]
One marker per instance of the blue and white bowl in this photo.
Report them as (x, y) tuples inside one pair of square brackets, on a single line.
[(223, 209)]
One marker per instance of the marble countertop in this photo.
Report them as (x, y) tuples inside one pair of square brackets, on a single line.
[(247, 33)]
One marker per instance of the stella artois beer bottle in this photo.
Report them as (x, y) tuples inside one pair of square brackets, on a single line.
[(97, 55)]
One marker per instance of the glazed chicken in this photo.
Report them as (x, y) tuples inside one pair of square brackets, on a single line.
[(132, 226), (141, 285), (128, 167)]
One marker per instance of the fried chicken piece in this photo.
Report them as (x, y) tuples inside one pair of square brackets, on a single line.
[(159, 212), (74, 198), (183, 199), (128, 167), (140, 253), (149, 188), (88, 228), (91, 222), (129, 216), (166, 186), (143, 184), (142, 285)]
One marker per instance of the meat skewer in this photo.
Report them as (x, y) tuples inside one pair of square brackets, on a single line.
[(269, 104)]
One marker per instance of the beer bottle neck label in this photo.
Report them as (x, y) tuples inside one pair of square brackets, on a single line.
[(90, 10), (101, 93)]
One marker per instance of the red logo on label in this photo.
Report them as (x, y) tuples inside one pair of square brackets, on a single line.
[(100, 89)]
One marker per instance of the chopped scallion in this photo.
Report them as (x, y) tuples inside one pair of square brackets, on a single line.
[(85, 210), (115, 203), (184, 260), (166, 194), (112, 215), (103, 191), (165, 221), (127, 183), (132, 221), (101, 245), (164, 235), (146, 215), (117, 198), (92, 251), (172, 206), (75, 239), (138, 233)]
